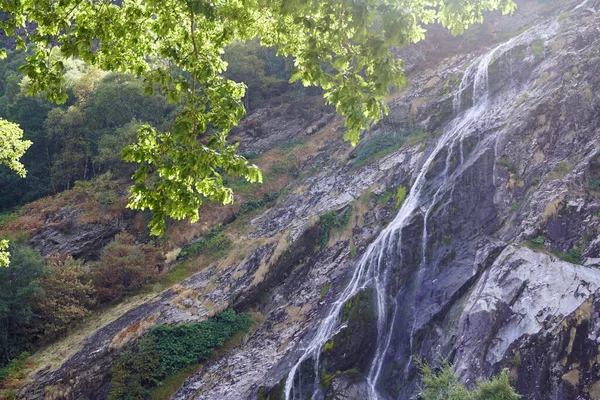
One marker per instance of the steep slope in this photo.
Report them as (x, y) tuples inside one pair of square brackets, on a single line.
[(506, 156), (516, 164)]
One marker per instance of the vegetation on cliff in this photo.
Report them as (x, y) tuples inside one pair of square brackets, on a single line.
[(165, 350), (442, 384)]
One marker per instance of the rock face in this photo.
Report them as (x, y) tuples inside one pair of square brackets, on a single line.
[(66, 236), (521, 294), (491, 261)]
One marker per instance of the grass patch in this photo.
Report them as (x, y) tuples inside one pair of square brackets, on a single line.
[(172, 383), (400, 196), (325, 289), (287, 147), (215, 244), (331, 221), (573, 256), (537, 243), (514, 208), (541, 80), (559, 171), (10, 215), (538, 48), (178, 273), (564, 16), (523, 98)]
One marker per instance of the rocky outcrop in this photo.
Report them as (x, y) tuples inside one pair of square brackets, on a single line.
[(523, 293), (65, 235), (561, 361)]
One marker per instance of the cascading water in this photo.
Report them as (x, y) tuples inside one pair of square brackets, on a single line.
[(372, 271)]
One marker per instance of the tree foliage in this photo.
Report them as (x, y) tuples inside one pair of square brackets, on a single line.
[(12, 147), (443, 385), (19, 288), (343, 46), (68, 298), (124, 267)]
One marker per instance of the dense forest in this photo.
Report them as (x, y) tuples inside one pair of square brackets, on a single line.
[(85, 136)]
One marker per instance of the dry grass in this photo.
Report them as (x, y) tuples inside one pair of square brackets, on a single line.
[(100, 201), (57, 353)]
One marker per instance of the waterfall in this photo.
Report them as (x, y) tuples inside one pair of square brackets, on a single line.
[(372, 271)]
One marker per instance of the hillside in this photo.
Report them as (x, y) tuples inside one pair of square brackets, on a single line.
[(463, 227)]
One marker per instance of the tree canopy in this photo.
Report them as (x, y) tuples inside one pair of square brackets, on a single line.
[(12, 147), (343, 46)]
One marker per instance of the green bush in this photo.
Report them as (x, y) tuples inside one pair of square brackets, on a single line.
[(182, 345), (377, 146), (442, 384), (594, 184), (165, 350), (215, 243), (329, 221)]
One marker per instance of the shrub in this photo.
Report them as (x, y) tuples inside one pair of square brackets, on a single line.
[(182, 345), (329, 221), (13, 375), (443, 385), (215, 243), (125, 266), (68, 297), (165, 350), (134, 372)]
